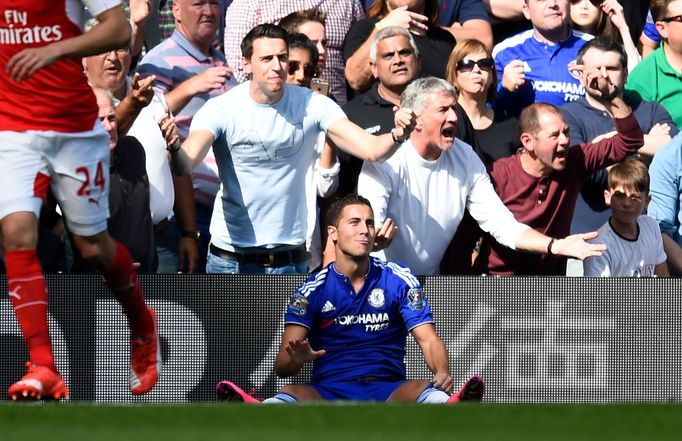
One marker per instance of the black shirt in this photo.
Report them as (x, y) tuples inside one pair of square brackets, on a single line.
[(499, 140), (635, 12), (131, 220), (373, 114)]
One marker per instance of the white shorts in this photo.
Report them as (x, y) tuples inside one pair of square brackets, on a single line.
[(74, 165)]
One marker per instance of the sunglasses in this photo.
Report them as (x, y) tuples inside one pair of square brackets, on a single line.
[(308, 70), (594, 2), (485, 64)]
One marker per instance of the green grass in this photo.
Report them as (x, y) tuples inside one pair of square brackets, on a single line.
[(79, 421)]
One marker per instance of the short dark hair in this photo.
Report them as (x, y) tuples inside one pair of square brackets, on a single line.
[(631, 174), (336, 209), (659, 9), (291, 22), (604, 44), (300, 41), (529, 120), (265, 30)]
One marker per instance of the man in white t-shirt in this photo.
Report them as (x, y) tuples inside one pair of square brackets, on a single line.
[(263, 134), (426, 185)]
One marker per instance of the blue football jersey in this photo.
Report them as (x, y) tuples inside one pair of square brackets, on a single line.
[(547, 69), (363, 333)]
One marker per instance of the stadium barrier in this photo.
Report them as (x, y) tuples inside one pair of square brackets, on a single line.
[(549, 340)]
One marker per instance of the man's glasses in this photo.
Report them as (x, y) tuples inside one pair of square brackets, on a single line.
[(308, 70), (677, 18), (485, 64)]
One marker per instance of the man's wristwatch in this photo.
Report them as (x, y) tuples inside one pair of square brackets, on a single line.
[(191, 234)]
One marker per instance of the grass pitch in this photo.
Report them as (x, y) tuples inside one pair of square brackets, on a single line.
[(373, 422)]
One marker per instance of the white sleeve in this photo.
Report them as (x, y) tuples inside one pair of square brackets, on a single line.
[(327, 110), (326, 179), (487, 208), (96, 7), (210, 117), (374, 183)]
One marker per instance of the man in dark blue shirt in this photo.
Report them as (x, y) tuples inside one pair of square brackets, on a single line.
[(351, 321)]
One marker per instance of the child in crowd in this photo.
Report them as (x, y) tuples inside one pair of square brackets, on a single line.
[(635, 245)]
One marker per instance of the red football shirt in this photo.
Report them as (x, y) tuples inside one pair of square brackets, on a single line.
[(57, 97)]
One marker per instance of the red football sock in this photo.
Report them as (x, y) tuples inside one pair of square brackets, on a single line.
[(29, 297), (122, 280)]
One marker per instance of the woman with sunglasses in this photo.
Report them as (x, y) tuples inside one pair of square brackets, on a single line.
[(471, 70), (606, 18), (303, 60)]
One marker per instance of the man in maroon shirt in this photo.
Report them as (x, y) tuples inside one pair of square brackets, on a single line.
[(540, 184)]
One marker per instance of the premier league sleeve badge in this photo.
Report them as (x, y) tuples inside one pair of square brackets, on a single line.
[(416, 298), (298, 304)]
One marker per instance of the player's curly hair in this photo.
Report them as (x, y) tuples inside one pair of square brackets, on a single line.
[(335, 210)]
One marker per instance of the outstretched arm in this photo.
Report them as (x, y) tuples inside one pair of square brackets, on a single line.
[(294, 351), (435, 355), (572, 246), (352, 139)]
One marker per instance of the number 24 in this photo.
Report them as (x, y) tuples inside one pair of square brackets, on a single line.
[(84, 190)]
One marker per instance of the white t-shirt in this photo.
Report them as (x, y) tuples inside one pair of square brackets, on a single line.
[(426, 200), (320, 182), (263, 152), (628, 258)]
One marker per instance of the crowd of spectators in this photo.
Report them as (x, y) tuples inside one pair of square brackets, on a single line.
[(511, 114)]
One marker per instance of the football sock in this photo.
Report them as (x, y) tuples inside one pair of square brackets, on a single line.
[(281, 398), (28, 293), (122, 280), (431, 395)]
